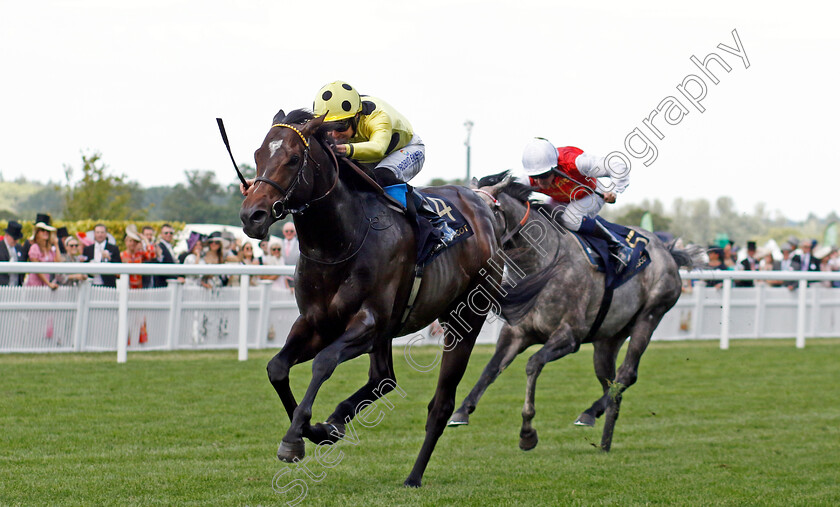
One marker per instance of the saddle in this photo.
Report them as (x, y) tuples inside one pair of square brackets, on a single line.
[(597, 253)]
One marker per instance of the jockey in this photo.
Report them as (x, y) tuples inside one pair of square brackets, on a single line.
[(370, 131), (569, 177)]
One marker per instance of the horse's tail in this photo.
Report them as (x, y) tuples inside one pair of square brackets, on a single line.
[(689, 257), (520, 296)]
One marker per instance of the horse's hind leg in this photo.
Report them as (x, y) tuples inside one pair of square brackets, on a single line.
[(606, 352), (560, 343), (381, 381), (628, 372), (512, 341), (456, 354)]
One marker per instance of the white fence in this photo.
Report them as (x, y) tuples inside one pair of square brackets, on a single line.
[(94, 318)]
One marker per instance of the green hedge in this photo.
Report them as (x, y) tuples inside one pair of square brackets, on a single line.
[(115, 227)]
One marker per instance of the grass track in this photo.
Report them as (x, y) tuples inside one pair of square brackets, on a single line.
[(758, 424)]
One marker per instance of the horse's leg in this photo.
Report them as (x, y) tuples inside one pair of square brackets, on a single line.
[(452, 367), (604, 358), (381, 381), (512, 341), (643, 327), (355, 340), (560, 343)]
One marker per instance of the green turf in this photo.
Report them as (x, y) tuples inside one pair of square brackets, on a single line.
[(758, 424)]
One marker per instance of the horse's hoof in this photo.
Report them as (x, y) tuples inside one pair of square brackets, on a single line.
[(528, 440), (459, 419), (585, 420), (291, 451), (327, 433), (412, 483)]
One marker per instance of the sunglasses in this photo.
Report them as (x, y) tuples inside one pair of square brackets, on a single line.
[(275, 249), (168, 232), (72, 245)]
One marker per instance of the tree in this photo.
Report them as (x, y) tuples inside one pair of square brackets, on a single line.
[(99, 195), (633, 216), (202, 200)]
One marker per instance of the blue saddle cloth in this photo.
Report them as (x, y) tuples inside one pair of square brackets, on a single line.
[(428, 236), (598, 252)]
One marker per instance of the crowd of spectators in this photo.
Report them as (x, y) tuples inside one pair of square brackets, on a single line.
[(793, 255), (51, 244)]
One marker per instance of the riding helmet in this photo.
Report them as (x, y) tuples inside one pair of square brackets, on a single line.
[(339, 100), (539, 156)]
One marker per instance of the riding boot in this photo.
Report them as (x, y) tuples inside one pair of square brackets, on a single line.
[(424, 209), (620, 252)]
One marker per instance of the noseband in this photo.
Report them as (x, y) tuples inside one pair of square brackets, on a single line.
[(286, 192)]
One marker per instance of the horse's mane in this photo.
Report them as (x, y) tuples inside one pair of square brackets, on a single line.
[(518, 191)]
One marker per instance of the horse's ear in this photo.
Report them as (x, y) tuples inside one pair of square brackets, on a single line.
[(279, 117), (312, 125), (474, 182), (496, 189)]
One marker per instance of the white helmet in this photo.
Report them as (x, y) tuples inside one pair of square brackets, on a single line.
[(539, 156)]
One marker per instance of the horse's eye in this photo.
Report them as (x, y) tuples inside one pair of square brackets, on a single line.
[(294, 159)]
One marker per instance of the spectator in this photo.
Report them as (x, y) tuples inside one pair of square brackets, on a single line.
[(43, 248), (147, 234), (246, 258), (291, 252), (828, 261), (136, 251), (102, 251), (195, 255), (264, 248), (43, 218), (275, 258), (716, 261), (62, 235), (806, 261), (786, 264), (728, 257), (73, 247), (768, 263), (10, 251), (167, 253), (748, 264), (216, 248)]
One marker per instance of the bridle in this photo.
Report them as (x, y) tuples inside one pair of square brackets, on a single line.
[(497, 209), (285, 193)]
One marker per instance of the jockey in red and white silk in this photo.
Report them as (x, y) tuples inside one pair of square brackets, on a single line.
[(570, 178)]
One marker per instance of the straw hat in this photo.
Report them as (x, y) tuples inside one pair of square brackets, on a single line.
[(217, 237)]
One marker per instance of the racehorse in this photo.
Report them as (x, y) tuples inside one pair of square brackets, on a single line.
[(561, 313), (354, 279)]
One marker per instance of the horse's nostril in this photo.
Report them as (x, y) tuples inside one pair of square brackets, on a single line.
[(258, 217)]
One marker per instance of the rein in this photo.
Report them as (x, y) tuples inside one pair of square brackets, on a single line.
[(519, 226), (286, 192)]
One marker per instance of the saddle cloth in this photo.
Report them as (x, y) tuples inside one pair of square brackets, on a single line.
[(598, 253), (428, 236)]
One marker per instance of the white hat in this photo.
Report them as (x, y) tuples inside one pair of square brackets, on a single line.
[(539, 156)]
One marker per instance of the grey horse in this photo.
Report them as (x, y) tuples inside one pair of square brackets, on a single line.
[(560, 313)]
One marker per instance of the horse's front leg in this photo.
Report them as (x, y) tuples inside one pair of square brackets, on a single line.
[(356, 340), (301, 346)]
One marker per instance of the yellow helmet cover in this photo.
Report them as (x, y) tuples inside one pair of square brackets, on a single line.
[(339, 99)]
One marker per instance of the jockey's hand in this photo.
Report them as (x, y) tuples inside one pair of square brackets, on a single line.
[(245, 190), (609, 197), (340, 150)]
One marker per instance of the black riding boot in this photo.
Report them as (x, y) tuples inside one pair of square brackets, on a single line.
[(424, 209), (619, 251)]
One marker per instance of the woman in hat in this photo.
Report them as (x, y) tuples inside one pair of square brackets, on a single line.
[(216, 248), (195, 247), (73, 249), (44, 248), (135, 253)]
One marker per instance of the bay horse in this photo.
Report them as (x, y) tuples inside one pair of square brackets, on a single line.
[(354, 279), (560, 314)]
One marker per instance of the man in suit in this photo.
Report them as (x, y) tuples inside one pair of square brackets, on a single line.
[(166, 254), (10, 252), (806, 260), (102, 251), (748, 264)]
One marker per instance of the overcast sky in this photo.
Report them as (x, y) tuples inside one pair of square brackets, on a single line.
[(142, 82)]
